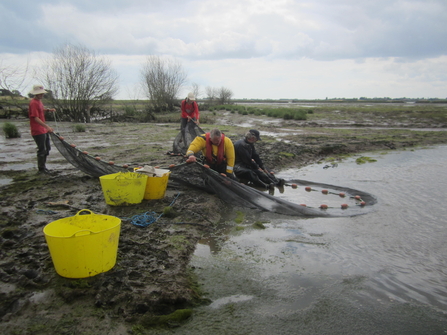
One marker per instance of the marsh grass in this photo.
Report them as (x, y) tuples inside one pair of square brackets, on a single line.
[(10, 130)]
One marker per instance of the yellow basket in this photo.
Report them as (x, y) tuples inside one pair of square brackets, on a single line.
[(83, 245), (156, 186), (123, 188)]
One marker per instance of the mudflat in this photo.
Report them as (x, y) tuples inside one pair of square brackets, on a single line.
[(151, 284)]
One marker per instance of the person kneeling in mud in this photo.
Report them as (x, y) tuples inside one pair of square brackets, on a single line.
[(217, 150), (249, 165)]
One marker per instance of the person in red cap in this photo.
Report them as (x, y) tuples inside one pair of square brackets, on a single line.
[(39, 128), (249, 165)]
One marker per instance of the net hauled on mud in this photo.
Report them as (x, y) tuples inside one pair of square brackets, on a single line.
[(200, 177), (180, 145), (238, 194), (88, 164)]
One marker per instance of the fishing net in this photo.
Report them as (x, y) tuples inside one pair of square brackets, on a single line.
[(238, 194), (88, 164), (229, 190), (181, 145)]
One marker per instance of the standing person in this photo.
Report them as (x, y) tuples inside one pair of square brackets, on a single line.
[(39, 129), (190, 112), (249, 165), (217, 149)]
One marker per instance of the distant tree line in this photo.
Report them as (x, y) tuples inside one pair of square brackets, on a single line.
[(81, 83)]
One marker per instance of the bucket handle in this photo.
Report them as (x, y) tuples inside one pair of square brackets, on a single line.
[(83, 231), (86, 210)]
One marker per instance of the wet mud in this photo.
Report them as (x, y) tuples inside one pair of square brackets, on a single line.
[(152, 277)]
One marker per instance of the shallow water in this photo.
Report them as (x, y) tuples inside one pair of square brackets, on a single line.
[(379, 273)]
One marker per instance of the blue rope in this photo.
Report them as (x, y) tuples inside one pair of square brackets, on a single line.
[(145, 219)]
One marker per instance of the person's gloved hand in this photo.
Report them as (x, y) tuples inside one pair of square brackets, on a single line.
[(231, 175), (191, 159)]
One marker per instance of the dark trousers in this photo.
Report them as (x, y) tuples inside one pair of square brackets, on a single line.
[(43, 149), (257, 177), (43, 144)]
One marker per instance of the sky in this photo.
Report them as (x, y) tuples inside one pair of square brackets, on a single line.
[(259, 49)]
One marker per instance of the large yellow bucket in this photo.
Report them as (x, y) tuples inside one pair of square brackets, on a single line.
[(156, 185), (83, 245), (123, 188)]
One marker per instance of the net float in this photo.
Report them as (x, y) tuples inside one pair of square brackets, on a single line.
[(156, 167), (73, 145), (294, 185), (358, 197), (112, 163), (61, 138), (344, 206), (304, 205), (323, 206), (85, 152), (342, 195), (98, 158), (308, 188), (324, 191), (171, 166), (206, 166), (125, 166), (362, 203)]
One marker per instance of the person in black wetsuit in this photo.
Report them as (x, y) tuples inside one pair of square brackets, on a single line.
[(249, 165)]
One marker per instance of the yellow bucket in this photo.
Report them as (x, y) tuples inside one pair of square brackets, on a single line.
[(123, 188), (83, 245), (156, 185)]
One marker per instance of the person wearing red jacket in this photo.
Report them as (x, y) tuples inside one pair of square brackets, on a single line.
[(190, 112), (39, 129)]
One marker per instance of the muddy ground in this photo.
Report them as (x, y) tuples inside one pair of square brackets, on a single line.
[(151, 278)]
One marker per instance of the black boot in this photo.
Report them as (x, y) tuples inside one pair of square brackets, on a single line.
[(41, 160)]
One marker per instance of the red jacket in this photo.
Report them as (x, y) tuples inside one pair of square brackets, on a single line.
[(36, 109), (190, 109)]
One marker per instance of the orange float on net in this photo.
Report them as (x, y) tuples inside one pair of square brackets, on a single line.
[(156, 167), (358, 197), (171, 166), (308, 188), (362, 203), (324, 191), (294, 185), (73, 145), (304, 205), (85, 152), (125, 166), (323, 206), (344, 206), (98, 158), (342, 195), (112, 163), (206, 166), (61, 138)]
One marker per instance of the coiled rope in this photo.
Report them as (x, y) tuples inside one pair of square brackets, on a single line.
[(145, 219)]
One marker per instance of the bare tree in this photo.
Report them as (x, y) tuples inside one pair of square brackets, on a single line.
[(80, 81), (162, 79), (211, 94), (195, 89), (13, 80), (219, 96), (224, 95)]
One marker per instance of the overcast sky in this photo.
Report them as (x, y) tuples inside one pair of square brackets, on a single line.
[(306, 49)]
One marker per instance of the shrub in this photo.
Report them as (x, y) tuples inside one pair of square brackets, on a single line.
[(10, 130), (79, 128)]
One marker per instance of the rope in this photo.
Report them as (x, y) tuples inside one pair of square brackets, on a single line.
[(145, 219)]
